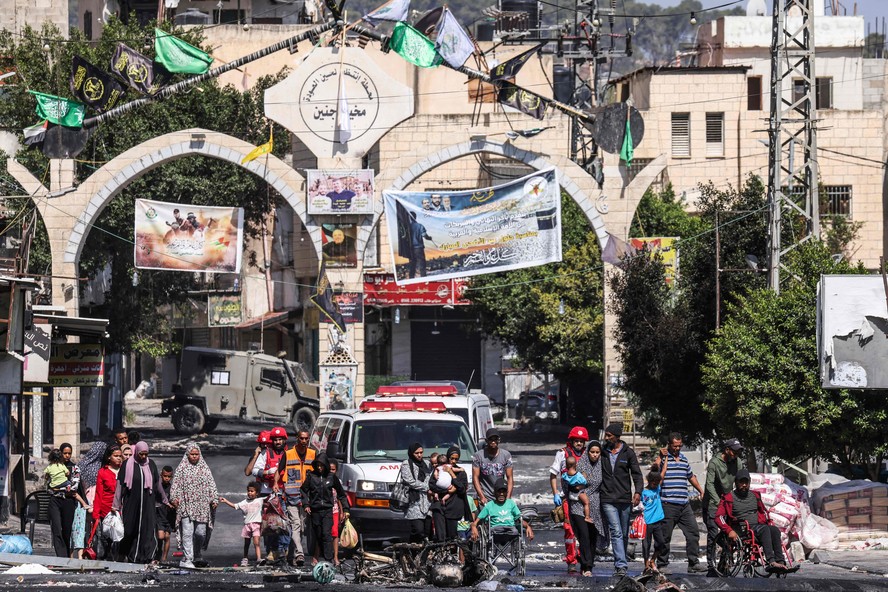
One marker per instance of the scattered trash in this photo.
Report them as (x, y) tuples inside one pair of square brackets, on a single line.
[(515, 588), (487, 586), (15, 543), (29, 568)]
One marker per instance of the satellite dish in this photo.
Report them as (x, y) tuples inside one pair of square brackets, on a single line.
[(609, 129), (64, 142)]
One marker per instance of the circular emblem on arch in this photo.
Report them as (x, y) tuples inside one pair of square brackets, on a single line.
[(334, 92)]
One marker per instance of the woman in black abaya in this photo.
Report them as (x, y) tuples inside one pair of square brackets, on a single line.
[(134, 500)]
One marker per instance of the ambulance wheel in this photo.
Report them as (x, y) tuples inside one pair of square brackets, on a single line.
[(304, 419), (188, 419)]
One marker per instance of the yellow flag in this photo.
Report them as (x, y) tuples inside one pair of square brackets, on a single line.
[(260, 150)]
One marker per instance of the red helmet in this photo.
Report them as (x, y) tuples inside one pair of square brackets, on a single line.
[(578, 433), (278, 432), (264, 437)]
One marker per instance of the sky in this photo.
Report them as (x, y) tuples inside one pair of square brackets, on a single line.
[(870, 9)]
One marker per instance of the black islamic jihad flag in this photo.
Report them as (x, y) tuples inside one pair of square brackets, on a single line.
[(93, 86), (525, 101), (509, 68), (323, 299), (139, 72)]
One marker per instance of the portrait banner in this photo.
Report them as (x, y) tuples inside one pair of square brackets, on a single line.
[(77, 364), (183, 237), (339, 245), (451, 234), (223, 310), (340, 192), (351, 306), (338, 386), (665, 247)]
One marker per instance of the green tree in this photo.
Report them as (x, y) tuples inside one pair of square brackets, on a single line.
[(762, 383), (874, 46), (136, 312)]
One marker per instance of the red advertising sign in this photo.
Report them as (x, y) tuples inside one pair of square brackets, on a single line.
[(380, 289)]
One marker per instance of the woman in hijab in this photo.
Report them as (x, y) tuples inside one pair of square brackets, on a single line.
[(588, 533), (415, 475), (134, 500), (106, 486), (194, 496), (456, 507), (63, 506), (90, 463)]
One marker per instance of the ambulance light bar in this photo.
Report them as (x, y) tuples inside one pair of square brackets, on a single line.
[(414, 391), (431, 407)]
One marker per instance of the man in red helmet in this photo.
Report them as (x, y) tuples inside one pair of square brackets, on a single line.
[(264, 467), (576, 444)]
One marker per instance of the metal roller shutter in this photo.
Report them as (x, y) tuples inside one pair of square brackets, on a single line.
[(451, 355)]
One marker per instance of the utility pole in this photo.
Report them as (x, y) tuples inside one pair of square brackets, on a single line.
[(792, 127)]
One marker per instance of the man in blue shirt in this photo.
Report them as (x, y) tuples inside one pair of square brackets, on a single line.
[(676, 472)]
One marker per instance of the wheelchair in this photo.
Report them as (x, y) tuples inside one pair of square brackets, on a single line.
[(505, 543), (745, 555)]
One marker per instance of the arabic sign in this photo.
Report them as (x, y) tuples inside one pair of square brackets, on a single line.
[(77, 364), (351, 306), (223, 310), (380, 289), (665, 247), (37, 344), (464, 233), (339, 245), (340, 192), (188, 238)]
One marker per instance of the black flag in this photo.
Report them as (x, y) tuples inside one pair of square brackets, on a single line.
[(525, 101), (94, 87), (510, 67), (323, 299), (428, 23), (140, 73)]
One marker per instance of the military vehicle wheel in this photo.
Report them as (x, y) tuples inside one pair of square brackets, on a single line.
[(211, 424), (304, 418), (189, 419)]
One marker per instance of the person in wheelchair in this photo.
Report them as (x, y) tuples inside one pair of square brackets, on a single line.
[(503, 513), (743, 506)]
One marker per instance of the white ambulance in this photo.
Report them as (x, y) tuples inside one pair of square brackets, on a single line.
[(371, 443)]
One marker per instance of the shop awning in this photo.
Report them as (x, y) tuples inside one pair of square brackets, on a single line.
[(269, 319), (81, 326)]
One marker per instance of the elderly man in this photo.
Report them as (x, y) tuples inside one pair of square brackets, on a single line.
[(621, 486), (576, 444), (720, 473)]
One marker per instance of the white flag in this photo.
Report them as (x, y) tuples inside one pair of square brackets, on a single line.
[(393, 10), (453, 43), (343, 121)]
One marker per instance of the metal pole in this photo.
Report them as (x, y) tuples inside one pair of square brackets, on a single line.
[(717, 273)]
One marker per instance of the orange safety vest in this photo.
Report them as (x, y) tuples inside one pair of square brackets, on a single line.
[(296, 469)]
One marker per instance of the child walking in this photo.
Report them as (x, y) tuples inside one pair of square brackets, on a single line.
[(252, 509), (653, 517), (164, 514), (573, 483)]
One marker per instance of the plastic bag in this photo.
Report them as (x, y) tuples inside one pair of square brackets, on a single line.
[(817, 532), (15, 543), (112, 527), (638, 528), (274, 517), (348, 536)]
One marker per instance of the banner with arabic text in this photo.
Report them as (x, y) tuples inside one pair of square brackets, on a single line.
[(77, 364), (449, 234), (186, 237), (223, 310)]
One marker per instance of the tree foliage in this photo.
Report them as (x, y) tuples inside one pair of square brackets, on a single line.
[(762, 383), (137, 323)]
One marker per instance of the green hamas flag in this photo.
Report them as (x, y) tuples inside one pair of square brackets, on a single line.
[(413, 46), (628, 150), (58, 110), (177, 56)]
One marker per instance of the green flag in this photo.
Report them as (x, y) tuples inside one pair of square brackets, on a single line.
[(177, 56), (628, 150), (413, 46), (58, 110)]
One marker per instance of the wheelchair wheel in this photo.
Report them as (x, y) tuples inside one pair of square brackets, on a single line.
[(729, 557)]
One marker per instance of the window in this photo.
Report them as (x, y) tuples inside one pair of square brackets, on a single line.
[(754, 93), (838, 200), (220, 377), (88, 25), (715, 134), (272, 377), (823, 95), (318, 432), (637, 166), (681, 134)]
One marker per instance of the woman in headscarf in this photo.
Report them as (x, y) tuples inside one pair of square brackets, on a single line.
[(448, 513), (90, 463), (415, 475), (194, 496), (63, 506), (134, 500), (106, 486), (588, 533)]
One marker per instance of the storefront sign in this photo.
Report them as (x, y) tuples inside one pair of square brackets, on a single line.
[(223, 310), (380, 289), (77, 364), (37, 345)]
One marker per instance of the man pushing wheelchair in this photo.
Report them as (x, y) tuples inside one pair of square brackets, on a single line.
[(742, 508)]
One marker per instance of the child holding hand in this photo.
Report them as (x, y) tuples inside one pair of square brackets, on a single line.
[(252, 509)]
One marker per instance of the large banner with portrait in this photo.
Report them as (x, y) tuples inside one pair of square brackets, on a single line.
[(185, 237), (340, 192), (463, 233)]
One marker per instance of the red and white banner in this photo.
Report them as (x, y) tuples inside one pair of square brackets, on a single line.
[(380, 289)]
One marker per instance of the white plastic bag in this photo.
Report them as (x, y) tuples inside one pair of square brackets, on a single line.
[(817, 532), (112, 527)]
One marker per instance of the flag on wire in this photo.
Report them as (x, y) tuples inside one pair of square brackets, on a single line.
[(58, 110), (343, 120), (258, 151), (138, 71), (35, 133), (393, 10), (177, 56), (453, 43), (510, 67), (428, 23), (413, 46), (525, 101), (627, 151), (93, 86), (323, 299), (615, 250)]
